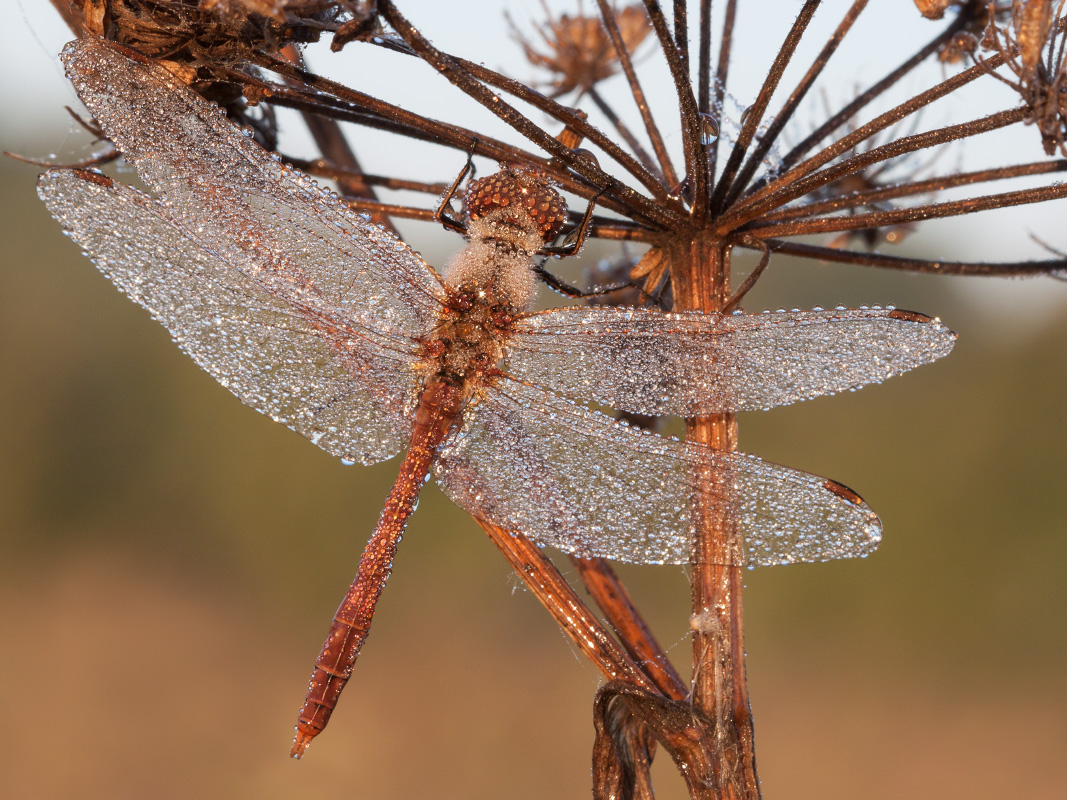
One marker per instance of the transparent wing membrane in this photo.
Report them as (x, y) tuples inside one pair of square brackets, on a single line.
[(325, 322), (346, 390), (244, 203), (693, 364), (574, 479)]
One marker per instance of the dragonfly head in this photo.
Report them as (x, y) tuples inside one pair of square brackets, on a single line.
[(523, 197)]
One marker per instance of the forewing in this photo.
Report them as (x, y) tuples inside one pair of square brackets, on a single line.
[(244, 203), (574, 479), (342, 388), (694, 364)]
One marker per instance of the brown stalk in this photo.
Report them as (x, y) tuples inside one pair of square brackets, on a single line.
[(904, 264), (696, 157), (635, 636), (789, 108), (877, 219), (607, 16), (573, 616), (939, 184), (754, 115), (719, 693)]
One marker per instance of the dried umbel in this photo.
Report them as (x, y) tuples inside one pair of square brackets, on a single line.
[(580, 52), (1034, 48), (185, 31), (934, 9)]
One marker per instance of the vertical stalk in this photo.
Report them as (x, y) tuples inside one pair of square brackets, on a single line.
[(701, 282)]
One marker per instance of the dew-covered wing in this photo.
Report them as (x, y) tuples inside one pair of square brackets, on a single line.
[(574, 479), (693, 364), (244, 203), (338, 385)]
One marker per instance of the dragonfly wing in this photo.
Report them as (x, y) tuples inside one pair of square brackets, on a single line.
[(694, 364), (244, 202), (572, 478), (332, 383)]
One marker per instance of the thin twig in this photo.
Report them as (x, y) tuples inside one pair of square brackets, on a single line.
[(899, 216), (642, 171), (756, 111), (782, 185), (681, 33), (696, 156), (1016, 269), (881, 194), (864, 99), (628, 137), (770, 136), (721, 74), (347, 104), (607, 15), (469, 85), (704, 58)]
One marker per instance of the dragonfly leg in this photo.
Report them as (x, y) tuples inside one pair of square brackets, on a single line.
[(575, 239), (443, 214)]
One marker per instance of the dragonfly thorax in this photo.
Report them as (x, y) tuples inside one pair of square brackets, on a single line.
[(497, 263), (469, 341)]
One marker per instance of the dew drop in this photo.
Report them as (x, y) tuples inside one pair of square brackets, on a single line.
[(584, 154), (709, 129)]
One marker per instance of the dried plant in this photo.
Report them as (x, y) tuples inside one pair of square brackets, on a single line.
[(691, 216)]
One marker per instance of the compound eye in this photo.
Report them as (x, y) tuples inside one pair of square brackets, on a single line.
[(521, 188)]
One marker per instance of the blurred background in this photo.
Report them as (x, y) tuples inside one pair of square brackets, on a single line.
[(170, 560)]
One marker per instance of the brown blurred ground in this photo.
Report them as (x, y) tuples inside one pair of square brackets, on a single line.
[(169, 561)]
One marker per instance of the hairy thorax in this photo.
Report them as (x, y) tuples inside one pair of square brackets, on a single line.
[(468, 343), (511, 215)]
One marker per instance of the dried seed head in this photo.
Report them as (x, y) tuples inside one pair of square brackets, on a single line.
[(1034, 50), (202, 33), (580, 51), (523, 189), (933, 9), (958, 47), (1031, 20)]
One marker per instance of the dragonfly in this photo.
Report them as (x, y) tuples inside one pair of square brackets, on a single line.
[(310, 313)]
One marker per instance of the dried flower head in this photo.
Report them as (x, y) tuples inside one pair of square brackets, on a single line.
[(185, 30), (934, 9), (1035, 50), (580, 52), (958, 48), (1031, 21)]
